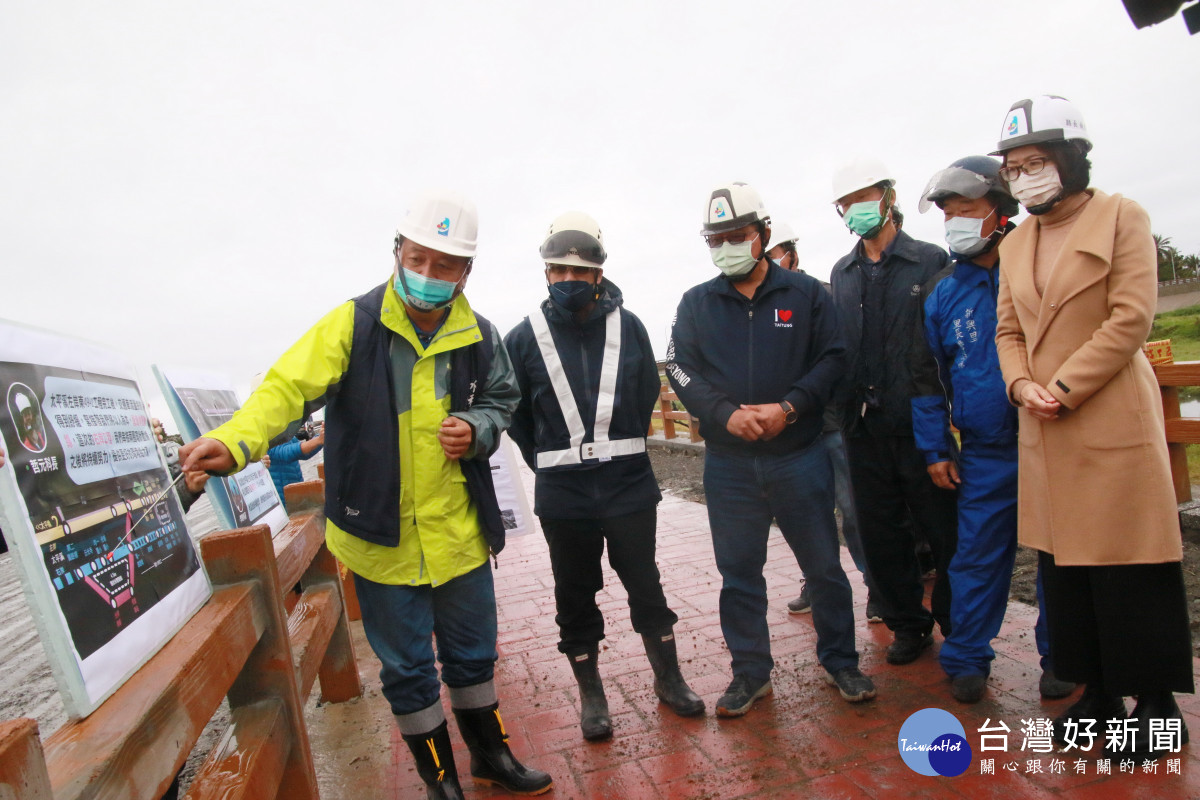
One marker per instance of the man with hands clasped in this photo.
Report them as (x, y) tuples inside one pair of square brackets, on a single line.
[(754, 354)]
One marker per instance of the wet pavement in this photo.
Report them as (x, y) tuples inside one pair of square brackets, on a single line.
[(805, 741)]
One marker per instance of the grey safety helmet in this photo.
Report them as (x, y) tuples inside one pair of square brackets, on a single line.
[(971, 177)]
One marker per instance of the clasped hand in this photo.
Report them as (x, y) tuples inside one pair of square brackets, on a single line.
[(757, 423)]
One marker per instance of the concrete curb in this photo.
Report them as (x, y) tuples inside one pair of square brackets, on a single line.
[(678, 446)]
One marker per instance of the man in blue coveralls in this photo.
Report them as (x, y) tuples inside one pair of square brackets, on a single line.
[(960, 328)]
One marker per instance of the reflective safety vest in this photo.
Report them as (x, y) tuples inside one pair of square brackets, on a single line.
[(601, 448)]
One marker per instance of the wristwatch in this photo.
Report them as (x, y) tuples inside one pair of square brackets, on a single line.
[(789, 413)]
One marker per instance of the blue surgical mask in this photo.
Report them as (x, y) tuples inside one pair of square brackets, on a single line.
[(734, 260), (572, 296), (863, 218), (424, 294)]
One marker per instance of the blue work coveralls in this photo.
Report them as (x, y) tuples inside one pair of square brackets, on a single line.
[(960, 327)]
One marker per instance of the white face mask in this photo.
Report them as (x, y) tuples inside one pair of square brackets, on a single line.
[(1034, 190), (734, 260), (965, 235)]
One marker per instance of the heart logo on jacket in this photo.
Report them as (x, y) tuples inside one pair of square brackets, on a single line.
[(785, 314)]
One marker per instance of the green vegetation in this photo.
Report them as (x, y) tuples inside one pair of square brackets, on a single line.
[(1172, 263), (1182, 327)]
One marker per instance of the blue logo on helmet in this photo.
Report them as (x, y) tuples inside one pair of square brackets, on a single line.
[(720, 209), (1013, 126), (443, 227)]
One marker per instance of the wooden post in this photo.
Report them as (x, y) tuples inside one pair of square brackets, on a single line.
[(1176, 451), (664, 403), (23, 774), (310, 497), (233, 556)]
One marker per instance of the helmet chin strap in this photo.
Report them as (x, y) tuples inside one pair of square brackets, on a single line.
[(1042, 208)]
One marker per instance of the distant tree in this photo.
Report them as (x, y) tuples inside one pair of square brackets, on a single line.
[(1168, 258)]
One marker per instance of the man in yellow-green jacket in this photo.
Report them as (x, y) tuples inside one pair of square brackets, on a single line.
[(417, 389)]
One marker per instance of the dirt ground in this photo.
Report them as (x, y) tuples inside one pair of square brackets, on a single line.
[(682, 474)]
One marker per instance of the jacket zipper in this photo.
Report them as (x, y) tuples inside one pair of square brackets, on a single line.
[(750, 360)]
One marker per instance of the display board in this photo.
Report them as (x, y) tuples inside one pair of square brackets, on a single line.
[(87, 506), (510, 490), (199, 402)]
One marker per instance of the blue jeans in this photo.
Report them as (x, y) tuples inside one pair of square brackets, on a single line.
[(843, 495), (744, 493), (401, 621)]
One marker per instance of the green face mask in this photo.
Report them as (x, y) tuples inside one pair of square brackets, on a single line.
[(734, 260), (864, 218)]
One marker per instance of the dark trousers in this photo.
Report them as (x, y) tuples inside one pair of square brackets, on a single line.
[(893, 492), (1124, 626), (575, 549)]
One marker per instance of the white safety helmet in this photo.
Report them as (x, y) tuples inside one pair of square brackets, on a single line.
[(1047, 118), (23, 403), (732, 206), (782, 233), (575, 240), (860, 173), (441, 220)]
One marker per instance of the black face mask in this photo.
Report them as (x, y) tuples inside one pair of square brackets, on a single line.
[(572, 296)]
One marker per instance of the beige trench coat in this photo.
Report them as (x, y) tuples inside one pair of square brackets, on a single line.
[(1095, 484)]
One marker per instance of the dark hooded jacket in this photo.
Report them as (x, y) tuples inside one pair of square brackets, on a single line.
[(622, 485)]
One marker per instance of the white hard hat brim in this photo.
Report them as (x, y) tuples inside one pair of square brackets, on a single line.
[(434, 242)]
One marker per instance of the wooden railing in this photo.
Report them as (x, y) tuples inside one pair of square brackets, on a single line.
[(670, 417), (258, 642), (1180, 431)]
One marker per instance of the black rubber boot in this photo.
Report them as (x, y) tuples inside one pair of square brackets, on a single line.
[(491, 760), (594, 720), (1154, 705), (435, 763), (1095, 704), (669, 684)]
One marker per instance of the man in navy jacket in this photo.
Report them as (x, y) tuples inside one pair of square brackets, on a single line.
[(588, 385), (755, 354), (878, 288)]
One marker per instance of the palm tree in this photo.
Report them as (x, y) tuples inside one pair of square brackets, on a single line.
[(1166, 254)]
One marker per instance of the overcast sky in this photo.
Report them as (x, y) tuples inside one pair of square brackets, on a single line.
[(196, 184)]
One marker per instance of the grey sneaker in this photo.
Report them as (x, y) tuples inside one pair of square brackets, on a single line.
[(1051, 687), (874, 610), (853, 685), (968, 688), (741, 694), (801, 604)]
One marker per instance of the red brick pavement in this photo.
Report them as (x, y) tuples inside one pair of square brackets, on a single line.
[(804, 742)]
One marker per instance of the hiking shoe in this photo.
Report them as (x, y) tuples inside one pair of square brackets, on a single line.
[(853, 685), (801, 604), (741, 694), (968, 688), (1051, 687), (907, 646), (874, 611)]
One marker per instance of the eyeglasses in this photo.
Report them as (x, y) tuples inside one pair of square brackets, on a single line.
[(1031, 167), (736, 237)]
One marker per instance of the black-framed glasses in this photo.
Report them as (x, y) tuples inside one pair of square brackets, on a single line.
[(1031, 167), (734, 237)]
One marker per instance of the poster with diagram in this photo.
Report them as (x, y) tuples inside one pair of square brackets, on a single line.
[(98, 535), (201, 401)]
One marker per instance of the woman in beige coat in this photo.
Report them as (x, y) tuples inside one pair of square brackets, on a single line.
[(1078, 289)]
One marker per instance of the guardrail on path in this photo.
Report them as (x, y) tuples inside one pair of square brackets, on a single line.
[(257, 642)]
